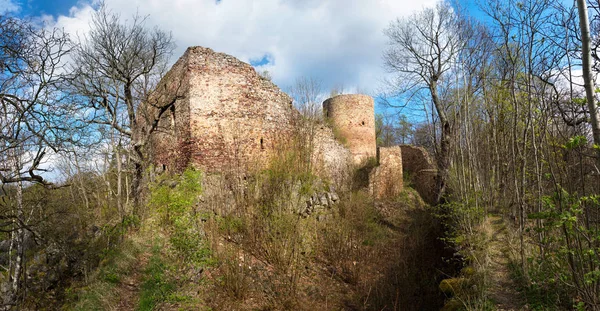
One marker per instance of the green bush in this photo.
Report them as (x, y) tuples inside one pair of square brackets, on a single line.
[(175, 199)]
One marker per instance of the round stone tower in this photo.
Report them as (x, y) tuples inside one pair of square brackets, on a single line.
[(353, 119)]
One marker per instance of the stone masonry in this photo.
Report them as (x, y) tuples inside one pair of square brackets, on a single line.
[(230, 117), (353, 118), (227, 117), (386, 179), (421, 171)]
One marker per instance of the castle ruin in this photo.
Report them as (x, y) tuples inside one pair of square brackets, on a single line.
[(353, 117), (229, 117)]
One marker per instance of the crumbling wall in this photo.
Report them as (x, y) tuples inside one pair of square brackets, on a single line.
[(238, 117), (169, 144), (421, 171), (386, 180), (353, 119), (330, 159), (230, 119)]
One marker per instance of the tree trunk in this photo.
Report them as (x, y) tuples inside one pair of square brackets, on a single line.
[(445, 150), (587, 73), (18, 237), (136, 180)]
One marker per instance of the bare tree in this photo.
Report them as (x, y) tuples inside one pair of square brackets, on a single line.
[(422, 50), (307, 95), (115, 68), (33, 121)]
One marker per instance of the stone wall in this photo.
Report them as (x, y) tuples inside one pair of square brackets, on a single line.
[(421, 171), (331, 160), (168, 146), (238, 118), (386, 180), (353, 118), (231, 117)]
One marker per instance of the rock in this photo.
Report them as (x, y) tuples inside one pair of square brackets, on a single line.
[(323, 200), (329, 200)]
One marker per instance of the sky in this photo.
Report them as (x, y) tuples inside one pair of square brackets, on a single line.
[(339, 42)]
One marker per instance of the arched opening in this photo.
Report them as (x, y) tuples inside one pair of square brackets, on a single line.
[(262, 145), (362, 123)]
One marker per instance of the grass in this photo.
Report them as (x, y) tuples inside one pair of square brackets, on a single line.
[(102, 292), (157, 286)]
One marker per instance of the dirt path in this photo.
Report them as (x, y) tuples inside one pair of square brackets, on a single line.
[(502, 289), (129, 287)]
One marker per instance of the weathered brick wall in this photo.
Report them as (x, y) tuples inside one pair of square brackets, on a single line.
[(353, 117), (419, 166), (385, 180), (169, 143), (237, 117), (231, 118)]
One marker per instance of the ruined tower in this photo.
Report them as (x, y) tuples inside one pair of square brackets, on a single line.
[(353, 119), (227, 116)]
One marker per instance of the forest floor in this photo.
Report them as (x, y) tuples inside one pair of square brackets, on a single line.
[(502, 288)]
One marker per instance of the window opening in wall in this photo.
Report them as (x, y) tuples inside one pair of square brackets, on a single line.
[(164, 167), (173, 119), (262, 146), (363, 123)]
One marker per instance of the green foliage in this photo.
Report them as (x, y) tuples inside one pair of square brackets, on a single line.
[(464, 233), (175, 200), (101, 293), (571, 241), (156, 286), (576, 142), (461, 219)]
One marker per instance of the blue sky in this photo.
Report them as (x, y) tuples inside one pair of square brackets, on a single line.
[(62, 7), (338, 42), (49, 7)]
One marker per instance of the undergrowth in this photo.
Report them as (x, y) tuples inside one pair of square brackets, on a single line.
[(101, 293), (157, 286)]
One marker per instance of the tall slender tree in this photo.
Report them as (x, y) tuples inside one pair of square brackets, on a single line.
[(422, 51)]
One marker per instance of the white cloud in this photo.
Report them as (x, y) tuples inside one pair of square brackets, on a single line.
[(8, 6), (337, 41)]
